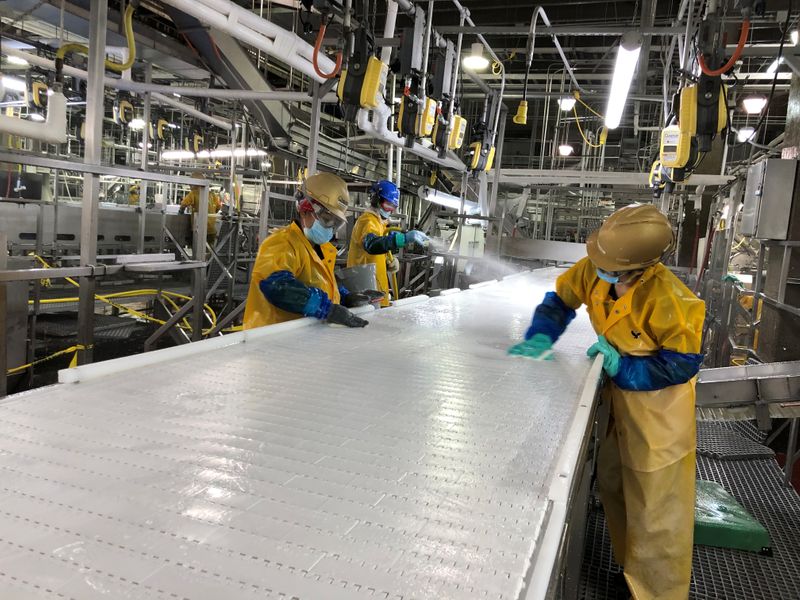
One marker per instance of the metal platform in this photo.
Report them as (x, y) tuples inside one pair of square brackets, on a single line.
[(410, 459), (719, 573)]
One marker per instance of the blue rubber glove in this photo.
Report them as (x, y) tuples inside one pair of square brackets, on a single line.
[(538, 347), (416, 237), (611, 357)]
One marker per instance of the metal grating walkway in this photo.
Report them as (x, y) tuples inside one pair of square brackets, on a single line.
[(718, 573), (411, 459)]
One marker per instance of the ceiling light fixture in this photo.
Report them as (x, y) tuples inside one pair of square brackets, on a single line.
[(754, 104), (36, 117), (566, 103), (448, 200), (18, 60), (14, 84), (475, 60), (774, 66), (136, 124), (744, 134), (794, 35), (625, 66), (565, 149), (177, 155)]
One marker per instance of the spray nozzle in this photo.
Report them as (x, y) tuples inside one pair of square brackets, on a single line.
[(521, 118)]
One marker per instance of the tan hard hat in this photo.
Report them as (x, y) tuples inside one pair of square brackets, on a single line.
[(330, 191), (634, 237)]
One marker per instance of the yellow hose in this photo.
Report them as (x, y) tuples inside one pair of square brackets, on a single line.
[(127, 22), (106, 298)]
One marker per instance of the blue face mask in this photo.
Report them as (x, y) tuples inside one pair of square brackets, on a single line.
[(384, 214), (606, 277), (318, 233)]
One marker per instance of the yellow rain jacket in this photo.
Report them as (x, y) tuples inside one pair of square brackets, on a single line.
[(288, 249), (366, 224), (192, 200), (646, 464)]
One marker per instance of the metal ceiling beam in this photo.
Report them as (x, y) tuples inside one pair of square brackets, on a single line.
[(525, 177), (581, 30)]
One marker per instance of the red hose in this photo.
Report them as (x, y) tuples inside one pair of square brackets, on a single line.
[(317, 46), (736, 53)]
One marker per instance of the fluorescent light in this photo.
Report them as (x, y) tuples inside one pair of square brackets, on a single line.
[(176, 95), (14, 84), (754, 104), (203, 154), (172, 125), (447, 200), (745, 133), (774, 66), (18, 60), (36, 117), (624, 68), (565, 149), (795, 37), (566, 103), (136, 124), (225, 152), (265, 164), (475, 60), (177, 155)]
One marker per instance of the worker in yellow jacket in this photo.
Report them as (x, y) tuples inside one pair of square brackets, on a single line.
[(649, 326), (192, 200), (293, 273), (370, 242)]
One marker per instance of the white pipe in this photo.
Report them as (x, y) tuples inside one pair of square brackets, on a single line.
[(193, 92), (257, 32), (53, 130), (377, 128), (388, 30), (190, 110)]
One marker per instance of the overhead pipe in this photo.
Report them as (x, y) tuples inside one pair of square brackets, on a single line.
[(160, 90), (53, 130), (388, 30), (377, 127), (257, 32), (190, 110), (486, 45)]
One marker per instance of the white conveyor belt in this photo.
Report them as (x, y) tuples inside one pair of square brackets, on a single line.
[(410, 459)]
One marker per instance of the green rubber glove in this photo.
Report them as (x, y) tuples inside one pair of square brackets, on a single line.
[(539, 347), (732, 278), (611, 357)]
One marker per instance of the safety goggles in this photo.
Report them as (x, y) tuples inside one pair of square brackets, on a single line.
[(326, 217), (387, 207)]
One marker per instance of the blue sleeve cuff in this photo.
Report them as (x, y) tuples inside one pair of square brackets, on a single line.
[(649, 373), (318, 305), (284, 290), (343, 291), (399, 238), (550, 318)]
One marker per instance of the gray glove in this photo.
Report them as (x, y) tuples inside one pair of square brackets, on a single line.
[(339, 315), (392, 266)]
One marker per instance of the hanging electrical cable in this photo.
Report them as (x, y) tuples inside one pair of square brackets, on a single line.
[(317, 47), (732, 61), (127, 22)]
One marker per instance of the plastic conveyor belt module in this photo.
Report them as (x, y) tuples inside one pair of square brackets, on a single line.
[(410, 459)]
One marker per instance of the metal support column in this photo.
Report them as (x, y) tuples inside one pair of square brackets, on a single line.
[(498, 157), (313, 140), (91, 182), (263, 215), (148, 77), (199, 252), (791, 452), (3, 317)]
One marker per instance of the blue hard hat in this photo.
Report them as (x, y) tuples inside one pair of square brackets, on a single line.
[(386, 191)]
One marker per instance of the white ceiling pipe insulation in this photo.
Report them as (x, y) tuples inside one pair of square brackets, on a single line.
[(53, 130), (377, 127), (251, 29)]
